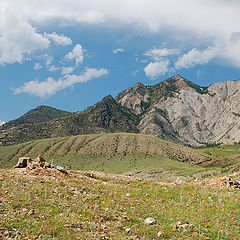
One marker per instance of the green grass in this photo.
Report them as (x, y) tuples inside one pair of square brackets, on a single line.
[(223, 151), (80, 207), (112, 153)]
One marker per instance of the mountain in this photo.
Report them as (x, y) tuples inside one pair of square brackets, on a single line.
[(140, 98), (37, 115), (175, 109), (178, 110), (105, 116)]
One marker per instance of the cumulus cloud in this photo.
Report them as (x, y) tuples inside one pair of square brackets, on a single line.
[(155, 69), (17, 37), (37, 66), (53, 68), (195, 57), (158, 53), (192, 23), (50, 86), (2, 122), (58, 39), (76, 54), (117, 50), (67, 70)]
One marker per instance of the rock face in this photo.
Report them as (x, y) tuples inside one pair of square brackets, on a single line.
[(191, 114)]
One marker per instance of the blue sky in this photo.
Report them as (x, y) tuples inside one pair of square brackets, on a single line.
[(69, 54)]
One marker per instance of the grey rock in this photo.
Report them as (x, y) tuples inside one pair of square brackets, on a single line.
[(31, 212), (189, 115), (149, 221)]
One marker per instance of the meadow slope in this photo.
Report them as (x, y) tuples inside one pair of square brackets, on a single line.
[(113, 153)]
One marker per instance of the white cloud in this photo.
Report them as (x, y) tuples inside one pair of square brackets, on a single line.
[(155, 69), (17, 37), (37, 66), (53, 68), (2, 122), (76, 54), (195, 57), (117, 50), (158, 53), (58, 39), (49, 61), (67, 70), (231, 52), (51, 86), (187, 22)]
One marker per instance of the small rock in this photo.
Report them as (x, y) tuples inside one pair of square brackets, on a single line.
[(47, 165), (40, 160), (127, 195), (24, 210), (59, 168), (31, 212), (149, 221), (128, 230), (32, 165), (160, 234)]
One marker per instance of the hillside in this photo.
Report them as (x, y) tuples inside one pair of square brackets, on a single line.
[(37, 115), (115, 153), (105, 116)]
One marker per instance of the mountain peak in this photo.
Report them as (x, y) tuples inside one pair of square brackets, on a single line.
[(178, 77), (39, 114), (138, 85), (107, 99)]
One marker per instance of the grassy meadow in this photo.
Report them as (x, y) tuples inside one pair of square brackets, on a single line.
[(99, 206)]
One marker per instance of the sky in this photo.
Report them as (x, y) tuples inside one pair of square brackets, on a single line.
[(69, 54)]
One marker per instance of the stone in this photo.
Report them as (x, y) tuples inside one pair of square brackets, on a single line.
[(160, 234), (128, 230), (24, 210), (149, 221), (31, 212), (32, 165), (59, 168), (23, 162), (40, 160), (47, 165), (127, 195)]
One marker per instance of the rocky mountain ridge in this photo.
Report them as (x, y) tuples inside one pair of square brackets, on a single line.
[(175, 109), (191, 114)]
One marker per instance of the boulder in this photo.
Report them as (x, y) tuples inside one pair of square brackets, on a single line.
[(23, 162), (40, 160)]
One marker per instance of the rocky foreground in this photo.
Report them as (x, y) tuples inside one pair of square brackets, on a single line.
[(45, 203)]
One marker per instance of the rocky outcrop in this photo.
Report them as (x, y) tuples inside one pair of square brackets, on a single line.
[(23, 162), (134, 98), (37, 163)]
